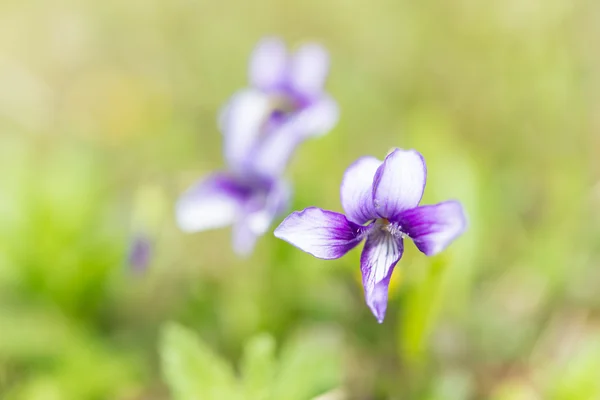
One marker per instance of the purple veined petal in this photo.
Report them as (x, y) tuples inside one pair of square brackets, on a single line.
[(380, 255), (242, 120), (434, 227), (309, 69), (268, 64), (275, 151), (399, 183), (212, 203), (356, 191), (321, 233)]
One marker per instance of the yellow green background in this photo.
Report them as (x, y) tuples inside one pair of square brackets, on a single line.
[(108, 112)]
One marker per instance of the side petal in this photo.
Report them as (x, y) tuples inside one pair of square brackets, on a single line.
[(379, 257), (318, 118), (268, 64), (324, 234), (434, 227), (212, 203), (309, 69), (399, 183), (242, 120), (277, 148), (356, 192)]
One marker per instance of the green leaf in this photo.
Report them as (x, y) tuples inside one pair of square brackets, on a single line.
[(310, 365), (192, 370), (258, 367)]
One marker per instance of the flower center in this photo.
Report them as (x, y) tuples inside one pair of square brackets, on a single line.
[(392, 228), (282, 103)]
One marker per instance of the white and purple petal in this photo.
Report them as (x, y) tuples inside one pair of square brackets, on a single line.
[(399, 183), (356, 191), (258, 214), (317, 118), (380, 255), (309, 69), (211, 203), (243, 238), (268, 64), (273, 153), (434, 227), (324, 234), (242, 121)]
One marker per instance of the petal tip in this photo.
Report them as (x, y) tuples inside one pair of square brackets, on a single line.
[(378, 311)]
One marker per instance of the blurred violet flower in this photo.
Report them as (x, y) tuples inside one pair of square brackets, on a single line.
[(247, 202), (140, 250), (284, 105), (381, 201), (261, 126)]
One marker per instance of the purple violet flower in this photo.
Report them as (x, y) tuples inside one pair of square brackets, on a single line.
[(261, 127), (381, 201), (224, 198), (285, 104)]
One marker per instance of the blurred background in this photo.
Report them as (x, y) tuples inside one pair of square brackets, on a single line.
[(108, 112)]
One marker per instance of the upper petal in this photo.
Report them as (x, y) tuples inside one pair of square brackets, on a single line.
[(434, 227), (324, 234), (399, 183), (275, 150), (356, 192), (309, 68), (212, 203), (242, 121), (379, 257), (268, 64)]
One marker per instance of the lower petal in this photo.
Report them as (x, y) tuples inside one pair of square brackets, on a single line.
[(258, 215), (379, 257), (324, 234), (244, 238), (434, 227), (212, 203)]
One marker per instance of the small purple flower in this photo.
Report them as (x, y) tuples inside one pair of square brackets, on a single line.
[(285, 104), (381, 201), (140, 250), (223, 199), (261, 127)]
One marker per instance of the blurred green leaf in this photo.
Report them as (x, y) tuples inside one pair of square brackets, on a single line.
[(20, 338), (421, 306), (311, 364), (578, 377), (258, 367), (192, 370)]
